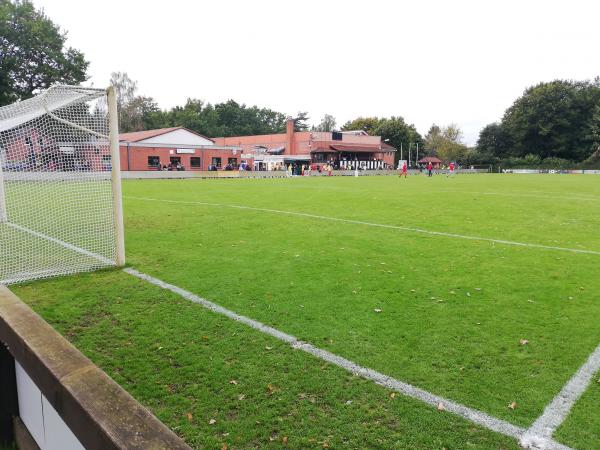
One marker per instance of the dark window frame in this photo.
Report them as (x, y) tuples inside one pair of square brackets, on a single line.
[(195, 159), (157, 161)]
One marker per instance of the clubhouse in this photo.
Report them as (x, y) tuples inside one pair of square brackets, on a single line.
[(179, 147)]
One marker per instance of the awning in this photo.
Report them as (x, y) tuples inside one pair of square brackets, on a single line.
[(323, 150), (276, 150)]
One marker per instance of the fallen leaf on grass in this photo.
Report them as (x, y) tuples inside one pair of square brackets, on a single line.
[(189, 417), (513, 405), (325, 445), (233, 382), (285, 440), (441, 407), (393, 395), (212, 421), (271, 389), (523, 342), (224, 447)]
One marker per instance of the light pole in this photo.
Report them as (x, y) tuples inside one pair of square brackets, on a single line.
[(417, 160)]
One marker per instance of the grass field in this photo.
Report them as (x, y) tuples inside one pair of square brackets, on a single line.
[(389, 273)]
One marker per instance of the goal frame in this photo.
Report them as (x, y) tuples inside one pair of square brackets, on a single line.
[(115, 156), (113, 222)]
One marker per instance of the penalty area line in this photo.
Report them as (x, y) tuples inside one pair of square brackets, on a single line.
[(372, 224), (558, 409), (470, 414)]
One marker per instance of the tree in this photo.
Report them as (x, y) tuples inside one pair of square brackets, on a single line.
[(300, 121), (133, 110), (394, 131), (327, 123), (553, 120), (32, 53), (433, 139), (366, 124), (453, 133), (493, 140), (446, 143)]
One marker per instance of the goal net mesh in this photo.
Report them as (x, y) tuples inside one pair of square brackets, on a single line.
[(56, 201)]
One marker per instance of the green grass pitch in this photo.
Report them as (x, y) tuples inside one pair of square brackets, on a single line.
[(453, 311)]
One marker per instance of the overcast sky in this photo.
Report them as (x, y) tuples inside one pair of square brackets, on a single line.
[(427, 61)]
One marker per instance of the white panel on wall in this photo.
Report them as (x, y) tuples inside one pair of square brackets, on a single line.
[(41, 419), (58, 434), (30, 405)]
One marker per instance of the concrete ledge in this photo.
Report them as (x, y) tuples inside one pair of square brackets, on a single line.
[(96, 409)]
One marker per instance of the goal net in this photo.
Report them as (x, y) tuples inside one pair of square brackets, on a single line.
[(60, 191)]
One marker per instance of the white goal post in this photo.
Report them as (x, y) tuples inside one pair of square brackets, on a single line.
[(60, 184)]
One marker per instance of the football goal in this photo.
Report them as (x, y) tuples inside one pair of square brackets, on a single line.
[(60, 185)]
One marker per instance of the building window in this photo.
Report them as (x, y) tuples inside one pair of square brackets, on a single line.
[(216, 162), (153, 161), (195, 162), (232, 162)]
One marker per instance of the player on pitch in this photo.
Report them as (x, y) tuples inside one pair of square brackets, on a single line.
[(450, 170), (404, 170)]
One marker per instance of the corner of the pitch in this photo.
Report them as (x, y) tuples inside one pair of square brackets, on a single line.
[(535, 442)]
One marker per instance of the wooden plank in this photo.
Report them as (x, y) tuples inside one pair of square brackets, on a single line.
[(98, 411)]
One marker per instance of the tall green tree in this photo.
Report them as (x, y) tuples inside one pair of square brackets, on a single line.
[(301, 121), (494, 140), (553, 120), (367, 124), (33, 55)]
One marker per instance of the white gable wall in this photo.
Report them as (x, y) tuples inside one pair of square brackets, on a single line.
[(178, 137)]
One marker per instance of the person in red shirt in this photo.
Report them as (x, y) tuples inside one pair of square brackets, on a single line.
[(451, 170), (404, 170), (430, 168)]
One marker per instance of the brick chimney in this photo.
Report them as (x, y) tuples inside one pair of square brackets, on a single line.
[(289, 131)]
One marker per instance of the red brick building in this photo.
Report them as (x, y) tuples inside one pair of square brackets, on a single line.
[(146, 150)]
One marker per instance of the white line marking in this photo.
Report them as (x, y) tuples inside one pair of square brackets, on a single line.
[(557, 411), (371, 224), (473, 415), (100, 258)]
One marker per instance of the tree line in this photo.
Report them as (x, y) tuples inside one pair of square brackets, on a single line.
[(554, 124)]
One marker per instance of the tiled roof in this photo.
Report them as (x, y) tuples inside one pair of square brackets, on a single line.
[(432, 159)]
